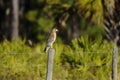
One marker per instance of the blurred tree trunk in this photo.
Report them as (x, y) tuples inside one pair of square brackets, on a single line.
[(74, 27), (5, 19), (14, 20), (112, 26), (73, 23), (68, 24)]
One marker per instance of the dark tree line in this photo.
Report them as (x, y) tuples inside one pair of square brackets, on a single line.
[(9, 19), (29, 18)]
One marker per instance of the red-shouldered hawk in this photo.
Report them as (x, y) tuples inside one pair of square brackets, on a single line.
[(51, 39)]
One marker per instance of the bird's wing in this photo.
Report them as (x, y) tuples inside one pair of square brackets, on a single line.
[(51, 39)]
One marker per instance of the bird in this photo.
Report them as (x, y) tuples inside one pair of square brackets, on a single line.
[(51, 39)]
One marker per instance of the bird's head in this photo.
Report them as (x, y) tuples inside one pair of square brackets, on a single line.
[(55, 30)]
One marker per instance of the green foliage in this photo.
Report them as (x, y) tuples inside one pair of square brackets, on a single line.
[(14, 46), (91, 8), (83, 59), (43, 15), (20, 62), (88, 60), (31, 15)]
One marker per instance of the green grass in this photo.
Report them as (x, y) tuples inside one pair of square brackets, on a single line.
[(83, 59)]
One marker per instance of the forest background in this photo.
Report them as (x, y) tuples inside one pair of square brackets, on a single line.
[(84, 45)]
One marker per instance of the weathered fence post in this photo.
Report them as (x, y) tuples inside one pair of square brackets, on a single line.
[(115, 59), (51, 53)]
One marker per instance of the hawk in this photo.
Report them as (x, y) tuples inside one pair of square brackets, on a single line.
[(51, 39)]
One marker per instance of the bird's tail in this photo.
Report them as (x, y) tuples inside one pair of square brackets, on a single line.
[(46, 49)]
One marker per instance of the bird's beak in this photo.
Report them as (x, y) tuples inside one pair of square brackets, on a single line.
[(56, 30)]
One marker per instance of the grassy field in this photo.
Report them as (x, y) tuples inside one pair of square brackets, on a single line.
[(83, 59)]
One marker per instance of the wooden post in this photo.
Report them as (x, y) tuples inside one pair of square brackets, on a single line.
[(115, 60), (51, 53)]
